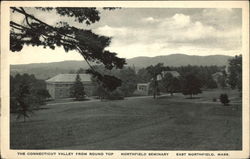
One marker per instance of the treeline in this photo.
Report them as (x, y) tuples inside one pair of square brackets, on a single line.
[(204, 73), (200, 76), (26, 94), (192, 79)]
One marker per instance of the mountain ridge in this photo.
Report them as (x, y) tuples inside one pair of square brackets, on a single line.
[(46, 70)]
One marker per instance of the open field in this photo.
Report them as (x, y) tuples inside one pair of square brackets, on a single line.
[(167, 123)]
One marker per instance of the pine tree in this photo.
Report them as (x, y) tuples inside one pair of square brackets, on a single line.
[(77, 90), (23, 101)]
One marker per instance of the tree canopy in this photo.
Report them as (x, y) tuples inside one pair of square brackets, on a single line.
[(26, 94), (154, 71), (77, 90), (191, 85), (170, 84), (235, 72), (35, 32)]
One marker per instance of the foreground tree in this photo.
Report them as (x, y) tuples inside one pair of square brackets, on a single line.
[(191, 85), (77, 90), (21, 100), (26, 95), (35, 32)]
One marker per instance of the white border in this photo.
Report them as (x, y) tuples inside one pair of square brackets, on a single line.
[(7, 153)]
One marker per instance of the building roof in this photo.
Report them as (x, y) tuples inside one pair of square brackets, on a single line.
[(143, 84), (173, 73), (68, 78)]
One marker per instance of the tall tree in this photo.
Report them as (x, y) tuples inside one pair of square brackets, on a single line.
[(77, 90), (235, 72), (26, 94), (33, 31), (222, 80), (170, 83), (154, 71), (143, 76), (191, 85), (129, 80), (21, 98)]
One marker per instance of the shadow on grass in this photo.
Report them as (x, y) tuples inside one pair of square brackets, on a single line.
[(42, 108), (85, 99), (193, 98), (27, 121)]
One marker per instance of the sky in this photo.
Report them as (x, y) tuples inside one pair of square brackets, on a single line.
[(150, 32)]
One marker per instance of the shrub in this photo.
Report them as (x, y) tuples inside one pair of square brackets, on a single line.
[(116, 95), (214, 99), (224, 99)]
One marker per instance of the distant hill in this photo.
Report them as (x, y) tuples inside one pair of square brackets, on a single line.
[(47, 70), (179, 60)]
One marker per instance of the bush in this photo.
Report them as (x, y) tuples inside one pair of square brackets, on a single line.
[(224, 99), (214, 99), (116, 95)]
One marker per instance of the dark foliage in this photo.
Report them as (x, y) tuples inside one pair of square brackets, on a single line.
[(170, 84), (203, 72), (127, 83), (211, 83), (235, 72), (191, 85), (154, 71), (143, 76), (91, 46), (77, 90), (26, 94)]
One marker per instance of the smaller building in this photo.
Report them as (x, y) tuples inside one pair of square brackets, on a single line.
[(59, 86), (143, 88)]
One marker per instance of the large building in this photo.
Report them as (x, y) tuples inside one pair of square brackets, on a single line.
[(59, 85)]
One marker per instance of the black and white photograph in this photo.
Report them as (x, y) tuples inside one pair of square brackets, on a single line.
[(127, 79)]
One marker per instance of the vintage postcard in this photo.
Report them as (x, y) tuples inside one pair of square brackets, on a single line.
[(116, 79)]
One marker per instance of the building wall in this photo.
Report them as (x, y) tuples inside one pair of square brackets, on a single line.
[(51, 89), (62, 90), (89, 89), (143, 89)]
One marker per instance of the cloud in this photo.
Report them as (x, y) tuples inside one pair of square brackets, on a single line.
[(152, 32), (181, 20), (111, 31), (149, 20), (175, 32)]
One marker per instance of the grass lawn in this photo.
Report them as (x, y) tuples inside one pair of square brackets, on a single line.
[(167, 123)]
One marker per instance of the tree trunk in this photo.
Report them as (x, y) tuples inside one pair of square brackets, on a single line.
[(155, 87)]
